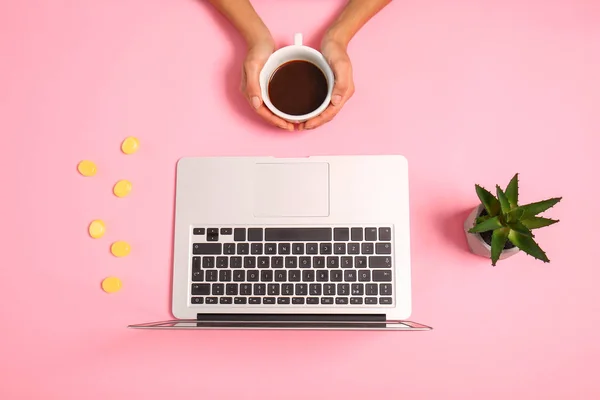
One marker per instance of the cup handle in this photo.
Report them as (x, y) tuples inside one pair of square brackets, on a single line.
[(298, 39)]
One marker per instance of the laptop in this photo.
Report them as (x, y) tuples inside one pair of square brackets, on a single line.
[(291, 243)]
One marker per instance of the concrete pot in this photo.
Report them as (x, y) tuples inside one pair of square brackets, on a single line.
[(477, 245)]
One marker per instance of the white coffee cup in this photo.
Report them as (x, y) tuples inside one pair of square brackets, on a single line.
[(295, 52)]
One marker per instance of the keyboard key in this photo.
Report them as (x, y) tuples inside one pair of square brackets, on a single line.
[(353, 248), (312, 300), (367, 248), (315, 289), (239, 300), (312, 248), (385, 289), (370, 234), (323, 276), (341, 234), (231, 289), (212, 235), (297, 234), (236, 262), (336, 276), (281, 276), (346, 262), (350, 275), (196, 263), (383, 248), (325, 248), (371, 300), (380, 262), (222, 262), (252, 276), (260, 289), (298, 248), (255, 234), (239, 234), (266, 276), (199, 231), (225, 300), (239, 275), (357, 234), (371, 289), (360, 262), (207, 248), (256, 248), (308, 275), (291, 262), (254, 300), (263, 262), (385, 234), (305, 262), (197, 300), (341, 300), (343, 289), (298, 300), (283, 300), (385, 300), (212, 275), (283, 248), (276, 262), (229, 248), (333, 262), (339, 248), (200, 289), (198, 276), (364, 276), (319, 262), (356, 300), (250, 262), (273, 289), (301, 289), (295, 276), (208, 262), (268, 300), (329, 289), (218, 289), (245, 289), (270, 248), (212, 300), (287, 289), (326, 300), (243, 248), (382, 276), (226, 231), (357, 289), (225, 275)]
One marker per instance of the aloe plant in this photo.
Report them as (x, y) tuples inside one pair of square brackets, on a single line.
[(511, 223)]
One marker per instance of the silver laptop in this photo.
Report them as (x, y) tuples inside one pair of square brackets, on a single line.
[(291, 243)]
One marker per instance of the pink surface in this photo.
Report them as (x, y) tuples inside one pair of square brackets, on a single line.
[(469, 91)]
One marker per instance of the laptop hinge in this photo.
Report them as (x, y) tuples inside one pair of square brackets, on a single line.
[(292, 320)]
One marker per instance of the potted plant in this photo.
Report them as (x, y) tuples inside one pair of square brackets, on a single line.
[(499, 227)]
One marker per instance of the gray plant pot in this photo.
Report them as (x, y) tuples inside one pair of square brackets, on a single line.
[(477, 245)]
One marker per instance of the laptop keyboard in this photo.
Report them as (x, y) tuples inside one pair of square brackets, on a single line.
[(306, 266)]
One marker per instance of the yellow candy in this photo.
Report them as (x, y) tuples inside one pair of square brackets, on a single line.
[(122, 188), (130, 145), (97, 228), (87, 168), (111, 284), (120, 248)]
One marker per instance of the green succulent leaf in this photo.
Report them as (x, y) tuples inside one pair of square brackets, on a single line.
[(514, 215), (499, 238), (527, 245), (504, 204), (512, 191), (487, 225), (479, 220), (519, 227), (538, 222), (488, 200), (533, 209)]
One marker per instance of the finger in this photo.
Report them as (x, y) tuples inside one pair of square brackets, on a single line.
[(321, 119), (342, 71), (251, 84), (268, 116)]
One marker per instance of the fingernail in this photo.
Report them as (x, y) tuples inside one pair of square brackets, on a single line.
[(255, 102), (336, 99)]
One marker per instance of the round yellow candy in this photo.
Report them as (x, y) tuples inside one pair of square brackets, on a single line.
[(130, 145), (87, 168), (111, 284), (122, 188), (97, 228), (120, 248)]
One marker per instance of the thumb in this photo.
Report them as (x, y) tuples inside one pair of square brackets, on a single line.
[(342, 72), (253, 92)]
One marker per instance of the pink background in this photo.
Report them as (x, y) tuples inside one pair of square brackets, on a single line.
[(469, 91)]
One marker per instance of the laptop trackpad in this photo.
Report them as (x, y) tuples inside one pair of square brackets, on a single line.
[(291, 190)]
